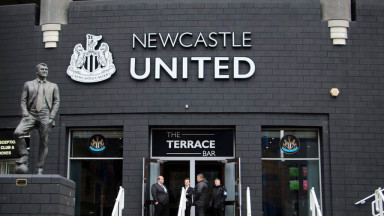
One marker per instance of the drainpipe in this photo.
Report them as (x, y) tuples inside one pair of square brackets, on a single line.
[(338, 15), (53, 13)]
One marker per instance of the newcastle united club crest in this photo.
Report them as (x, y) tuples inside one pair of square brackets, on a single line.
[(290, 144), (97, 143), (92, 64)]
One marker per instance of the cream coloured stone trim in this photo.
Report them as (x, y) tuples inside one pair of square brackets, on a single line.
[(338, 31), (50, 34)]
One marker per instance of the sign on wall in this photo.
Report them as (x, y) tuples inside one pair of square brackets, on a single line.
[(91, 64), (223, 67), (97, 143), (192, 142), (95, 64), (8, 147), (290, 144)]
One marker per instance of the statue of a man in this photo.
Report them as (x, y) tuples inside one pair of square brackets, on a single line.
[(40, 102)]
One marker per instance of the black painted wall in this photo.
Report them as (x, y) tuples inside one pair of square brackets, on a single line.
[(296, 66), (35, 195)]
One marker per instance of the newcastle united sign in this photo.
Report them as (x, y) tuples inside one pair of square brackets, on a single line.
[(192, 142), (95, 62)]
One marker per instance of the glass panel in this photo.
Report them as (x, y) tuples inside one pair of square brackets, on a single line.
[(11, 166), (3, 169), (270, 144), (152, 170), (210, 170), (7, 167), (174, 174), (230, 183), (232, 186), (112, 140), (308, 144), (286, 186), (97, 185)]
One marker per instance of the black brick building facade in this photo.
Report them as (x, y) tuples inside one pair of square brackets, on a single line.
[(296, 65)]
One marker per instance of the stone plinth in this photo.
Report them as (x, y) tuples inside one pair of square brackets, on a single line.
[(36, 195)]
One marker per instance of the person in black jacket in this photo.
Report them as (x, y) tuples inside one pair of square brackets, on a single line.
[(160, 196), (188, 193), (219, 194), (201, 195)]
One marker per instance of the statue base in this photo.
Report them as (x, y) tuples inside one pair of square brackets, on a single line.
[(41, 195)]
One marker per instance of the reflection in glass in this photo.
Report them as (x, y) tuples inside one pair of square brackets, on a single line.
[(7, 166), (174, 174), (81, 143), (97, 185), (287, 178), (286, 187), (270, 142), (97, 180)]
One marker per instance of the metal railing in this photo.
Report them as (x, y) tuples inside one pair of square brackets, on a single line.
[(119, 204), (377, 204), (248, 202), (314, 204), (362, 202)]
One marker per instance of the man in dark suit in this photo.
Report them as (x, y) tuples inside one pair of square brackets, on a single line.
[(189, 194), (201, 195), (219, 194), (39, 104), (160, 196)]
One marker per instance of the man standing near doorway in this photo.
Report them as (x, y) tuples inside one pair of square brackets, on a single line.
[(201, 195), (219, 194), (160, 196), (188, 193)]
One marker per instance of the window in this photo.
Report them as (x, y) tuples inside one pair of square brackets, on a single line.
[(7, 166), (353, 10), (96, 166), (291, 167)]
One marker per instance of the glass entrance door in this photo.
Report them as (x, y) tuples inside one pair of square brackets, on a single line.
[(228, 171), (151, 170), (211, 170), (174, 173), (233, 184)]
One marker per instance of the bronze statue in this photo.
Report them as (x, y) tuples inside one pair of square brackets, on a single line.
[(40, 102)]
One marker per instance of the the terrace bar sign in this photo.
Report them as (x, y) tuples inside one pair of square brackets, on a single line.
[(192, 142)]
